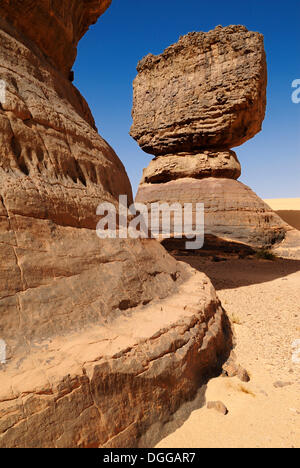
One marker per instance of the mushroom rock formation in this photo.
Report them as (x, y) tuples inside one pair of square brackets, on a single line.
[(192, 104), (99, 339)]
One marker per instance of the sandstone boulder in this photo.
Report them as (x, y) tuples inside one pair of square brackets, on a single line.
[(53, 26), (208, 91), (195, 101), (103, 338), (199, 166), (290, 247), (232, 210)]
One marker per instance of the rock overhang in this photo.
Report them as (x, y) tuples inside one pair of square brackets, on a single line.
[(54, 26)]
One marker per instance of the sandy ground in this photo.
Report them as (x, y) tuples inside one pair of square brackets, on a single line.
[(288, 209), (262, 299)]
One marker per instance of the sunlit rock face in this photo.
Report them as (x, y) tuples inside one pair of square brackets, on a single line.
[(206, 91), (95, 334), (192, 104)]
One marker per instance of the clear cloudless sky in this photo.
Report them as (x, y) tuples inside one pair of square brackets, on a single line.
[(130, 29)]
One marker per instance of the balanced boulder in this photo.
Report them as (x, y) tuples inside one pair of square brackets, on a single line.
[(192, 104)]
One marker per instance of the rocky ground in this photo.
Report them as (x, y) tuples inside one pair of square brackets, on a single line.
[(262, 299)]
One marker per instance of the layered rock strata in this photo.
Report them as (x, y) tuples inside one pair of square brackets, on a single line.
[(100, 338)]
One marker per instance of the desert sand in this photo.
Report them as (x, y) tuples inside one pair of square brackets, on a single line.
[(262, 298), (288, 209)]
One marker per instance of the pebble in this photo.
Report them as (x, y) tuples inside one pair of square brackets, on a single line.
[(282, 384), (218, 406)]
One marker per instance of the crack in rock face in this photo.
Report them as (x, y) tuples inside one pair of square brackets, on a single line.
[(97, 333)]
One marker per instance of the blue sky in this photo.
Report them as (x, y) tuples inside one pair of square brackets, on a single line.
[(130, 29)]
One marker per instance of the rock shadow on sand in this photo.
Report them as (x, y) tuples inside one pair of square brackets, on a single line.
[(231, 265)]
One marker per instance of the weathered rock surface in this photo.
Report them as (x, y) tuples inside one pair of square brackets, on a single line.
[(195, 101), (54, 26), (97, 351), (106, 385), (232, 210), (199, 166), (290, 247), (208, 91)]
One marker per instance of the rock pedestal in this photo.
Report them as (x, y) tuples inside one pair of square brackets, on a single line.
[(192, 104), (104, 338)]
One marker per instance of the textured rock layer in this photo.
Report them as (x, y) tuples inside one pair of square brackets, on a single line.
[(54, 26), (195, 101), (91, 355), (199, 165), (206, 91), (232, 210), (107, 386)]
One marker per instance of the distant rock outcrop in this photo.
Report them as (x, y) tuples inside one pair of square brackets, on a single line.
[(192, 104), (101, 339)]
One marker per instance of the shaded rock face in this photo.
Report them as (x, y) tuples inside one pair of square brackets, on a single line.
[(232, 210), (95, 342), (192, 104)]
